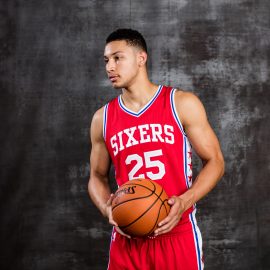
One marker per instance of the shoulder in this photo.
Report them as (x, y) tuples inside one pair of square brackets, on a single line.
[(96, 129), (189, 106), (98, 116), (186, 98)]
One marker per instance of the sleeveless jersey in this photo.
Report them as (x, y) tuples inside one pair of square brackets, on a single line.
[(150, 143)]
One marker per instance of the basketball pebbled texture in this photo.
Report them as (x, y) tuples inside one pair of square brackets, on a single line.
[(138, 206)]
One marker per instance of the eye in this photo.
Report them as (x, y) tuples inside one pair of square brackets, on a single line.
[(116, 58), (106, 60)]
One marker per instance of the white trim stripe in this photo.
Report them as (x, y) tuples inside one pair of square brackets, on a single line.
[(142, 110), (105, 113), (113, 235), (178, 122), (176, 117), (197, 239)]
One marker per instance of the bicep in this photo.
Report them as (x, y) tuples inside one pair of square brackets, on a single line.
[(99, 156), (98, 185), (197, 127), (203, 140), (99, 160)]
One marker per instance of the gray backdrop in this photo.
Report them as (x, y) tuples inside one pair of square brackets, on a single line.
[(52, 80)]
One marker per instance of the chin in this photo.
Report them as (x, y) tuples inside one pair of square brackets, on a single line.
[(118, 86)]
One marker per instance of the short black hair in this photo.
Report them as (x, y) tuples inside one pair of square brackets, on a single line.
[(132, 37)]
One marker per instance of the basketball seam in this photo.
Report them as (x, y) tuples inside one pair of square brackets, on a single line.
[(123, 227), (127, 184), (163, 204)]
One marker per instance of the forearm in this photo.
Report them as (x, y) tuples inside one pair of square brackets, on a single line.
[(204, 183), (99, 191)]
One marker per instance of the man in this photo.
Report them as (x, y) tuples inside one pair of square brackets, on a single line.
[(146, 132)]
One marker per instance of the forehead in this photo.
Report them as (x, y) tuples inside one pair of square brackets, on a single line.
[(117, 46)]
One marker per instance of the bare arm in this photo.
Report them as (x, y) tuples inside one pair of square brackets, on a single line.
[(204, 141), (98, 186), (206, 145)]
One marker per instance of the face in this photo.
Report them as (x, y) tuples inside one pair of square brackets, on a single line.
[(122, 63)]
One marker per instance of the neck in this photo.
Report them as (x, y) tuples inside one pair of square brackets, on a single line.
[(138, 93)]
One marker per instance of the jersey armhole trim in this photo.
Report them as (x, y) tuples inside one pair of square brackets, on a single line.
[(174, 112), (105, 116)]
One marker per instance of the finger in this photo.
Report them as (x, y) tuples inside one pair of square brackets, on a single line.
[(171, 201), (112, 222), (168, 224), (167, 227), (164, 231), (165, 221), (109, 202), (109, 210), (172, 214), (121, 232)]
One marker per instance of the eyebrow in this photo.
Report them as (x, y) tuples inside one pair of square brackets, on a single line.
[(105, 56)]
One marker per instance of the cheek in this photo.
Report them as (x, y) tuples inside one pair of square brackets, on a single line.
[(129, 68)]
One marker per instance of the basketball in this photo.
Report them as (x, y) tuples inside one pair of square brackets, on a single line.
[(138, 206)]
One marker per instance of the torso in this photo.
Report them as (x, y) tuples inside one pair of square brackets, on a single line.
[(150, 143)]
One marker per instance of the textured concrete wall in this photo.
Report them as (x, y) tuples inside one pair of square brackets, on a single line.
[(52, 80)]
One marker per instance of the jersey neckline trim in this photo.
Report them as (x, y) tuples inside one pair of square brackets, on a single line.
[(144, 108)]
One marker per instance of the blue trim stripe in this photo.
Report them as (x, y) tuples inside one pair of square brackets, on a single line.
[(105, 120), (197, 243), (185, 162), (140, 112), (175, 112)]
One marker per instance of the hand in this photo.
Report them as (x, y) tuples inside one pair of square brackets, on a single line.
[(177, 209), (109, 216)]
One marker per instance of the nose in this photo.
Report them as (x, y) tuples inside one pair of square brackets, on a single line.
[(110, 66)]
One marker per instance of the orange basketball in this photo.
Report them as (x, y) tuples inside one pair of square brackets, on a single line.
[(138, 206)]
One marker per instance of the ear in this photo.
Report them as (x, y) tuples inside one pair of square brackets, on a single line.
[(142, 58)]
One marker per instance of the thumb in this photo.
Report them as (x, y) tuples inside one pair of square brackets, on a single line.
[(171, 201), (109, 202)]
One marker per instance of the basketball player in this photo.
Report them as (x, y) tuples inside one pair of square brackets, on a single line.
[(147, 132)]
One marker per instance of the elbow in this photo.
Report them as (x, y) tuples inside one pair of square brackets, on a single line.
[(90, 187), (221, 163), (218, 164)]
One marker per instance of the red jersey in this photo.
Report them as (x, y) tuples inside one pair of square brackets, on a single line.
[(150, 143)]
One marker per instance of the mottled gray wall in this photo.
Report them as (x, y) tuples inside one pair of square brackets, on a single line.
[(52, 80)]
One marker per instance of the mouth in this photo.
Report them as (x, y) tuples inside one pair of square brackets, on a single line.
[(113, 78)]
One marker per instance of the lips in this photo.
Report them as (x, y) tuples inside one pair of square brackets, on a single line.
[(113, 78)]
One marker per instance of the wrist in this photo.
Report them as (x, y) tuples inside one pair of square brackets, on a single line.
[(188, 199), (104, 210)]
